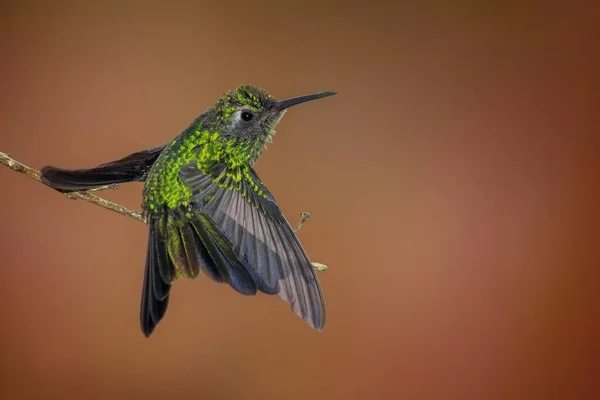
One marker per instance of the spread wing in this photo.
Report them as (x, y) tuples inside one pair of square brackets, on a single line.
[(131, 168), (241, 210)]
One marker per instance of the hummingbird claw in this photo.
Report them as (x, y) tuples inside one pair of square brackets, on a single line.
[(304, 217), (319, 267), (70, 195)]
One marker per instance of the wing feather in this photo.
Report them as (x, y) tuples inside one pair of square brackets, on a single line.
[(131, 168), (155, 291), (255, 231)]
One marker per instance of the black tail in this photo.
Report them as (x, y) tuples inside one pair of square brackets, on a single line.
[(132, 168), (183, 243), (155, 292)]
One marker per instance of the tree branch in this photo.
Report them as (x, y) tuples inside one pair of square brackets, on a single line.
[(15, 165)]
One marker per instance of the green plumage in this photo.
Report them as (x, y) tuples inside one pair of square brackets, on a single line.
[(208, 211), (206, 144)]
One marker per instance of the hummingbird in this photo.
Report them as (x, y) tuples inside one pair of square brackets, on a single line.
[(208, 211)]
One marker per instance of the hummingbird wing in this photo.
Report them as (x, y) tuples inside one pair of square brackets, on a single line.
[(184, 242), (241, 216), (155, 292), (132, 168)]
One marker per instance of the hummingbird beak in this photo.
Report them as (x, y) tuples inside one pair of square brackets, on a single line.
[(287, 103)]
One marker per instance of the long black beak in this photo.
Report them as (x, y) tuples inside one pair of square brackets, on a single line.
[(287, 103)]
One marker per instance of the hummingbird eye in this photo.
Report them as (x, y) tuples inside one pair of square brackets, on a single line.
[(247, 115)]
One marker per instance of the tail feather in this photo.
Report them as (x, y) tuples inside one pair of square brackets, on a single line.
[(131, 168), (193, 246), (155, 292), (185, 248), (181, 244)]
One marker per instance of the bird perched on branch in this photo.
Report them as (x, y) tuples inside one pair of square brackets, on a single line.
[(209, 212)]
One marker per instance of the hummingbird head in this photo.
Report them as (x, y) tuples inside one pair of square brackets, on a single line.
[(250, 114)]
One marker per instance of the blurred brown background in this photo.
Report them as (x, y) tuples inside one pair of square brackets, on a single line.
[(453, 183)]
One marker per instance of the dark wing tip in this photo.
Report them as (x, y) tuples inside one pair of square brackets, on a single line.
[(149, 321), (51, 176), (65, 180), (133, 167), (155, 292), (148, 328)]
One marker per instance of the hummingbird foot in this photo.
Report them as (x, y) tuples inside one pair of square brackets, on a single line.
[(319, 267), (304, 217)]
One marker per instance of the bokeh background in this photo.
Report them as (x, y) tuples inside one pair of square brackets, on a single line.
[(453, 184)]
